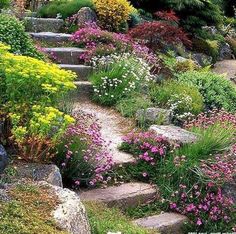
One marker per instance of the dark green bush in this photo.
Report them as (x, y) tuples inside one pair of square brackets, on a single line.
[(193, 13), (63, 7), (217, 91), (12, 33), (4, 4)]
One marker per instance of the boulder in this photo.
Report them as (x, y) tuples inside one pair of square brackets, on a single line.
[(154, 115), (181, 59), (174, 134), (70, 215), (39, 172), (85, 15), (3, 159), (43, 25), (202, 59), (225, 51)]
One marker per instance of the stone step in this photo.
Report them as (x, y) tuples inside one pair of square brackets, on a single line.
[(82, 71), (122, 196), (166, 223), (33, 24), (50, 36), (84, 88), (65, 55)]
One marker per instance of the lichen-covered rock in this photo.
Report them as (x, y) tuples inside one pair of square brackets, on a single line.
[(43, 25), (225, 51), (154, 115), (229, 189), (174, 134), (3, 159), (202, 59), (39, 172), (70, 215), (85, 15)]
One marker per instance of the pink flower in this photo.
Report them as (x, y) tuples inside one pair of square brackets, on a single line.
[(145, 174), (199, 222)]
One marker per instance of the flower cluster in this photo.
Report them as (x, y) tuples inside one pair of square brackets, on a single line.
[(146, 146), (203, 205), (118, 76), (212, 117), (220, 170), (100, 42), (83, 155)]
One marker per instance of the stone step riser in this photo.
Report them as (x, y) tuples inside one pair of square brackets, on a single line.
[(51, 37), (43, 24), (84, 89), (65, 56), (166, 223), (81, 71), (123, 196)]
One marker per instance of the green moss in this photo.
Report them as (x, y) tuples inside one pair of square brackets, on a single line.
[(28, 212), (103, 220)]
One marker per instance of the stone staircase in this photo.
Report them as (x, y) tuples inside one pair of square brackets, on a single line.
[(113, 127)]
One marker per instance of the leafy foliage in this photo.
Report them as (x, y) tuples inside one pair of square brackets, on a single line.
[(12, 33), (4, 4), (113, 13), (30, 89), (217, 91), (181, 98), (193, 13), (63, 8), (156, 34)]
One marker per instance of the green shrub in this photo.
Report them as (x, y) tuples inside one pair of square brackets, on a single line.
[(12, 33), (179, 97), (216, 89), (193, 13), (129, 106), (63, 8), (4, 4)]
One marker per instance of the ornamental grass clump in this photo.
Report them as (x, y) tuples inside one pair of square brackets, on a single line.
[(113, 14), (118, 77), (83, 155)]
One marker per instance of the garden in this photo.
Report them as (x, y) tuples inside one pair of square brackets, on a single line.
[(117, 108)]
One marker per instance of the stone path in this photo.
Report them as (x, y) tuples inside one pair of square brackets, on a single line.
[(166, 223), (227, 67), (122, 196), (113, 127)]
